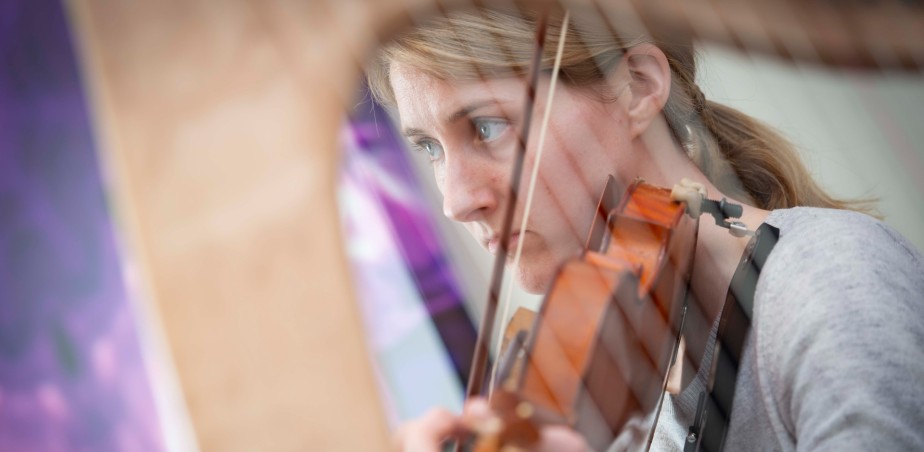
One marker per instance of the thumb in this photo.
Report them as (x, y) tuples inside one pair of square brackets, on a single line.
[(425, 433)]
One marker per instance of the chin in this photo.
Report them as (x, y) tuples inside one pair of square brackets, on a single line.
[(535, 281)]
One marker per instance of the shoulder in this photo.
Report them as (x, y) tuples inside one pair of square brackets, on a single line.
[(838, 314), (832, 267), (827, 250), (822, 228)]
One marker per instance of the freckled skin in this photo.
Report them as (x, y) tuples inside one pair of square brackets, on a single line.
[(587, 139)]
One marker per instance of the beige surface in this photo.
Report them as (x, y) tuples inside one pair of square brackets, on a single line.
[(220, 130)]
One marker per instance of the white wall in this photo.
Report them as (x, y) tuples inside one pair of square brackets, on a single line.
[(861, 133)]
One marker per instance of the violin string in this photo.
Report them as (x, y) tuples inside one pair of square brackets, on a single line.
[(558, 349), (485, 330), (508, 293)]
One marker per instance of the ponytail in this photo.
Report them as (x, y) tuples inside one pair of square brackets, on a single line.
[(750, 160)]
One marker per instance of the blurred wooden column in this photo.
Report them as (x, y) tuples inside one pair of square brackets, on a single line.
[(220, 122)]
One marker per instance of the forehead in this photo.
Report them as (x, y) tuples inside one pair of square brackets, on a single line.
[(411, 84), (403, 77), (422, 97)]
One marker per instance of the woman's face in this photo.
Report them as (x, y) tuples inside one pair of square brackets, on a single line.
[(469, 131)]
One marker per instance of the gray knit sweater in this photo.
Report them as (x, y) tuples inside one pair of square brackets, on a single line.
[(835, 356)]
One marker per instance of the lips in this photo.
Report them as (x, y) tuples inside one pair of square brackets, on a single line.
[(494, 243)]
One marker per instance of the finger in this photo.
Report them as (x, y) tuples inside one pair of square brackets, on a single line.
[(477, 408), (559, 438), (477, 416), (426, 433)]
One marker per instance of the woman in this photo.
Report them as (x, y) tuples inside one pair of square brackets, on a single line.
[(834, 358)]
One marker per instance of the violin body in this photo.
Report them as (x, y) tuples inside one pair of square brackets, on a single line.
[(600, 346)]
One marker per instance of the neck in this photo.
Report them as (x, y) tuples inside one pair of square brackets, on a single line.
[(717, 251), (717, 256)]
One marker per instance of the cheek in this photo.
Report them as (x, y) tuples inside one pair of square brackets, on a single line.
[(580, 166), (562, 214), (606, 150), (439, 177), (577, 203), (575, 169)]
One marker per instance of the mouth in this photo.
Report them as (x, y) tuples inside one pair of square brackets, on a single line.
[(493, 245)]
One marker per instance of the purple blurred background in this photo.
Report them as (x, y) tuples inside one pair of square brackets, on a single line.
[(72, 375)]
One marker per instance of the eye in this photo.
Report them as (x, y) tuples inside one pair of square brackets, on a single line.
[(489, 129), (433, 149)]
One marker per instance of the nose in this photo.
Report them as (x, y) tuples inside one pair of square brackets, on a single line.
[(470, 190)]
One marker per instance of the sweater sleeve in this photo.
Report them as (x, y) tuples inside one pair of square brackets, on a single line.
[(843, 343)]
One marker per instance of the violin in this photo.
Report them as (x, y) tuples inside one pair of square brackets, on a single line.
[(598, 352)]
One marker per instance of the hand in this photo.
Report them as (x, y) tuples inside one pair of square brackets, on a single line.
[(427, 433)]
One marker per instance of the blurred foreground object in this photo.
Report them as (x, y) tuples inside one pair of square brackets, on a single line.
[(224, 153)]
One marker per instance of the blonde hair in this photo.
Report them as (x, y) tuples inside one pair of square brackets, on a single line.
[(743, 157)]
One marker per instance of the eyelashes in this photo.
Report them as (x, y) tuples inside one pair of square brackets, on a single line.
[(432, 148), (483, 131), (489, 129)]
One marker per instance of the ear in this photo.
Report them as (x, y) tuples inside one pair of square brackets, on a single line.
[(649, 77)]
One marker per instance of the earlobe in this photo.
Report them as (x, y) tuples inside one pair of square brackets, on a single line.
[(649, 85)]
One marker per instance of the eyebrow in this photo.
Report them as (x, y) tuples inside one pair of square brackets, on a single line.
[(466, 110), (455, 116)]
